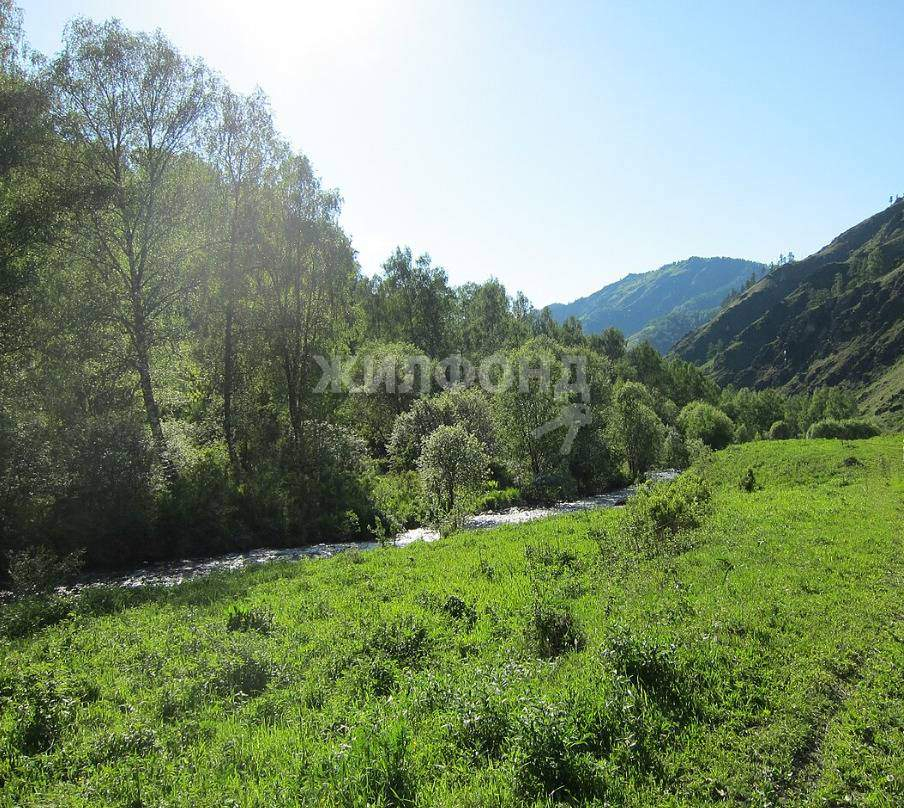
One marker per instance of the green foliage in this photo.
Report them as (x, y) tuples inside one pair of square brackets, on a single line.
[(453, 467), (705, 422), (552, 629), (38, 570), (398, 498), (748, 481), (467, 407), (659, 517), (249, 618), (405, 675), (636, 427), (498, 499), (852, 429), (27, 616), (780, 430), (674, 451)]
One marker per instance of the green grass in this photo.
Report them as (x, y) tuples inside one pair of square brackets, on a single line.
[(763, 665)]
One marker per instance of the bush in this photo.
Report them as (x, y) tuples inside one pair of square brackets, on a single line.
[(373, 769), (406, 640), (40, 712), (498, 499), (551, 487), (780, 430), (748, 481), (453, 467), (743, 434), (25, 617), (852, 429), (552, 629), (636, 428), (39, 570), (698, 451), (707, 423), (397, 498), (250, 618), (243, 673), (546, 753), (656, 517), (647, 664)]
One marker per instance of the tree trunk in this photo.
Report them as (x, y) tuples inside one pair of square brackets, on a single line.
[(143, 364), (228, 386)]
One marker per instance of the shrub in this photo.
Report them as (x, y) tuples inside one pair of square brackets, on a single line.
[(480, 717), (698, 451), (39, 570), (780, 430), (655, 519), (554, 561), (646, 663), (372, 769), (250, 618), (40, 711), (242, 673), (404, 639), (453, 467), (25, 617), (551, 487), (707, 423), (547, 755), (457, 609), (552, 629), (852, 429), (748, 481), (498, 499), (743, 434), (397, 498)]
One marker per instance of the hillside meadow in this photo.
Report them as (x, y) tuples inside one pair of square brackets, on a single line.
[(757, 659)]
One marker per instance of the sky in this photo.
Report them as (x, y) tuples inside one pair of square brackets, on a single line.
[(560, 146)]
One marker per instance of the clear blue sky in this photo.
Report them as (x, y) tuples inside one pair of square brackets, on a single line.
[(561, 146)]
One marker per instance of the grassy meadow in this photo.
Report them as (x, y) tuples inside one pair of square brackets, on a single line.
[(757, 660)]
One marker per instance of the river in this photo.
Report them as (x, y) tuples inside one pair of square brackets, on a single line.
[(170, 573)]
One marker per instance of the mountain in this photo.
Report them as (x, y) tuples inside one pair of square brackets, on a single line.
[(835, 318), (662, 305)]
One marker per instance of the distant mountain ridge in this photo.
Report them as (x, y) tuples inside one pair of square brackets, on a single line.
[(662, 305), (836, 317)]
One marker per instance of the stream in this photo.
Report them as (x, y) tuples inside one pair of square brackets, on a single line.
[(170, 573)]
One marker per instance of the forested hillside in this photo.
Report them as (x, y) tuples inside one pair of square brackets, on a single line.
[(834, 318), (663, 305)]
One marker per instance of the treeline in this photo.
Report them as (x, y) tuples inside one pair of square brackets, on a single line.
[(173, 275)]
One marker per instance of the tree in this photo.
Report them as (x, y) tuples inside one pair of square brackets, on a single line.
[(780, 430), (488, 323), (243, 148), (466, 407), (674, 451), (305, 274), (130, 105), (452, 466), (31, 201), (636, 426), (702, 421), (527, 403), (412, 302)]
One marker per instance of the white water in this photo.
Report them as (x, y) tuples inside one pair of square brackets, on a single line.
[(170, 573)]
